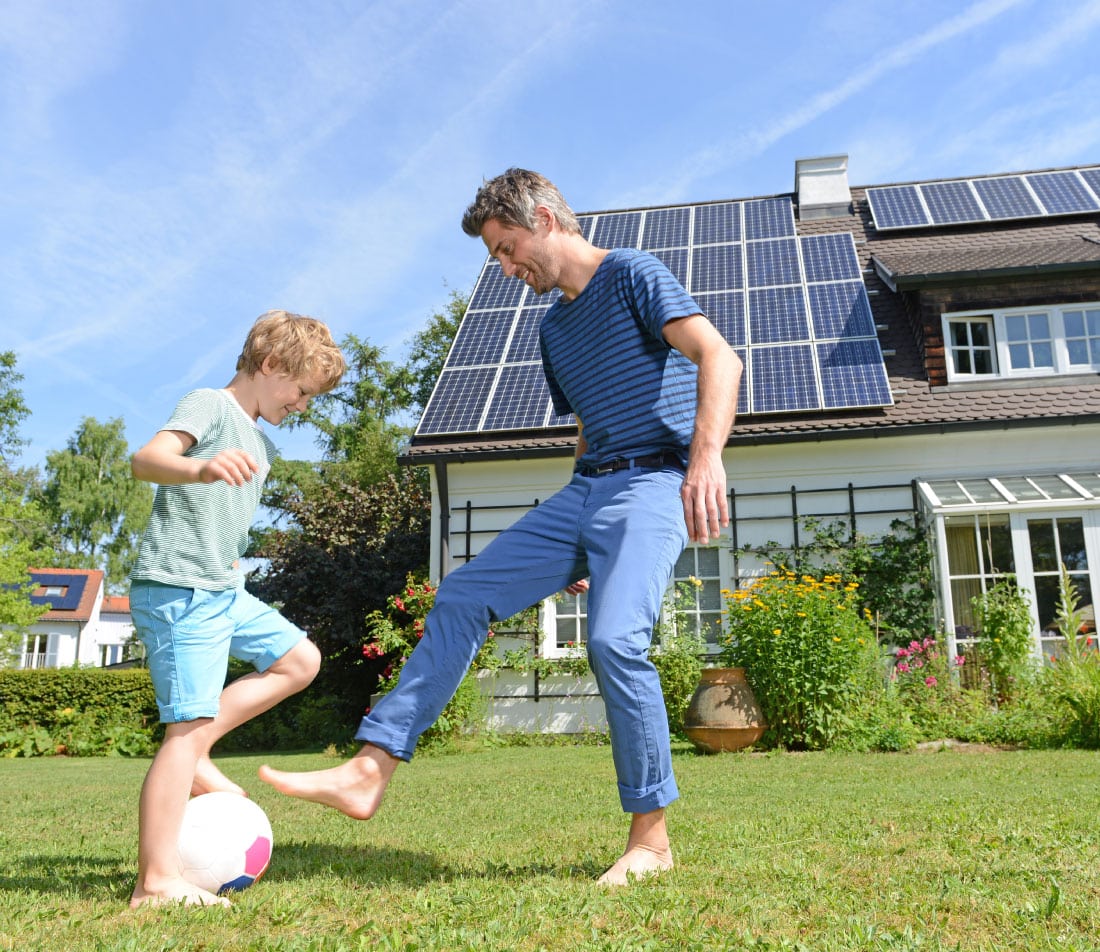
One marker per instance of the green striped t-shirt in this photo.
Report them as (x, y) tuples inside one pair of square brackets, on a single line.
[(199, 530)]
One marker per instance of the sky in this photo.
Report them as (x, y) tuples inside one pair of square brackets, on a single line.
[(171, 169)]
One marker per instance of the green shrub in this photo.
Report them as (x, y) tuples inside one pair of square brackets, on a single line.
[(1004, 634), (677, 654), (1073, 677), (806, 652), (77, 711)]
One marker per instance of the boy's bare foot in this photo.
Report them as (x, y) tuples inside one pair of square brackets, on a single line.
[(355, 787), (637, 862), (175, 891), (209, 779)]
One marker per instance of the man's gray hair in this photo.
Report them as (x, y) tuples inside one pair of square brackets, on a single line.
[(511, 199)]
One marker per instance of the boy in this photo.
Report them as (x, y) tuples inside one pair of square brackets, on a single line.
[(189, 605)]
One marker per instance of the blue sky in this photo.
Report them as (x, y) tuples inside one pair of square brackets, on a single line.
[(171, 170)]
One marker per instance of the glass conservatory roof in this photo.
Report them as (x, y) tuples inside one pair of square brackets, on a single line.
[(1019, 492)]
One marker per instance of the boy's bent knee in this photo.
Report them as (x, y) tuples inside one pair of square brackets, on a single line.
[(301, 663)]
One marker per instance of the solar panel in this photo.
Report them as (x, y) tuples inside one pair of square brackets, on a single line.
[(1092, 179), (782, 379), (521, 399), (1062, 193), (1007, 197), (773, 262), (618, 230), (715, 268), (717, 223), (777, 315), (848, 376), (768, 218), (1000, 198), (897, 206), (666, 228), (458, 400), (795, 310), (483, 340), (950, 202), (73, 585), (830, 257), (841, 309)]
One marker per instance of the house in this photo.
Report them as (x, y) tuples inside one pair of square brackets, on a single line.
[(82, 626), (911, 349)]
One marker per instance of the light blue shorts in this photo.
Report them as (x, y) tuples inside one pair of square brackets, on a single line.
[(189, 636)]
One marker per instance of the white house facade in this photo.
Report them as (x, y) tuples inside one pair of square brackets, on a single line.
[(944, 364), (81, 625)]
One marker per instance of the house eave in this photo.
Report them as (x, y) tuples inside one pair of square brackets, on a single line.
[(909, 282)]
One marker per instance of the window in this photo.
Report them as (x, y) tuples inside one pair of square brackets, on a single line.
[(697, 584), (1054, 542), (979, 551), (1023, 342)]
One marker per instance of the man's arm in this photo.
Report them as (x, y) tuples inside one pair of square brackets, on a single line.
[(706, 509), (161, 460)]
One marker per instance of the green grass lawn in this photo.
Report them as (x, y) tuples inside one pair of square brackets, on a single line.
[(498, 849)]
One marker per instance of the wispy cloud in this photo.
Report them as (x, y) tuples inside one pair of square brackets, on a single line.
[(753, 142)]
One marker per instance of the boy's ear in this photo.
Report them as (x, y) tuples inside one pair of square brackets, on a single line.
[(269, 366)]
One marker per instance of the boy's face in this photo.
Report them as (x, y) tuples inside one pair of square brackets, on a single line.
[(281, 394)]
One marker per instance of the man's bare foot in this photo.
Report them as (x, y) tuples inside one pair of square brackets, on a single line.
[(355, 787), (209, 779), (638, 862), (175, 892)]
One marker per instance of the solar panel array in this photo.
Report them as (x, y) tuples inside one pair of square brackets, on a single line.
[(1002, 198), (73, 586), (795, 310)]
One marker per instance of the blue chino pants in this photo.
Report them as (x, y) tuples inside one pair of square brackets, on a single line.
[(624, 532)]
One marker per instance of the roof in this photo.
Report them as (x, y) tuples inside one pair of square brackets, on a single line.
[(80, 589), (116, 605), (896, 263), (981, 261)]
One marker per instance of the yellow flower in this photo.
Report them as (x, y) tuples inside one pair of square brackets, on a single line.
[(836, 638), (697, 582), (777, 631)]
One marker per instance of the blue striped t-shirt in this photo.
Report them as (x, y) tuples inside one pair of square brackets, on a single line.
[(607, 362)]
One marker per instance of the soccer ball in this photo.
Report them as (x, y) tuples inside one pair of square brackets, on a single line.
[(225, 842)]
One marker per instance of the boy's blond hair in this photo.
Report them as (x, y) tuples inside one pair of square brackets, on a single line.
[(297, 345)]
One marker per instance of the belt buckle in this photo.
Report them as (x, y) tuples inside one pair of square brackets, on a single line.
[(604, 468)]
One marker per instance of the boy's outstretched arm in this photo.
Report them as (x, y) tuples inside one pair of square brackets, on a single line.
[(161, 460)]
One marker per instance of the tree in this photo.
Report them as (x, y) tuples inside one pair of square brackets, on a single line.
[(12, 409), (95, 508), (349, 548), (20, 520), (430, 346)]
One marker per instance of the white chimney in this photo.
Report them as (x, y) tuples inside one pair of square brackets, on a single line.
[(821, 185)]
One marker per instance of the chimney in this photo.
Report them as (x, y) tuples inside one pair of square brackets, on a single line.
[(821, 185)]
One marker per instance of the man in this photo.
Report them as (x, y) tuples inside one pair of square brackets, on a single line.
[(653, 386)]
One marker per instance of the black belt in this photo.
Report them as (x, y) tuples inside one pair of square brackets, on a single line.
[(656, 461)]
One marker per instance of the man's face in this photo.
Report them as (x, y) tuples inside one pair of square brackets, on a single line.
[(522, 253)]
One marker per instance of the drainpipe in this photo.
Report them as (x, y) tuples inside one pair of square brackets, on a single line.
[(444, 518)]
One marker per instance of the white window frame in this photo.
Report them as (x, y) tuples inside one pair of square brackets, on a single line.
[(1001, 319), (575, 607)]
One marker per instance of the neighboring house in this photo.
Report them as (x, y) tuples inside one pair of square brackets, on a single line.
[(82, 626), (929, 347)]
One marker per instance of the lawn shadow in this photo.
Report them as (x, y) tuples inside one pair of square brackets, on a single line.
[(61, 875), (367, 864)]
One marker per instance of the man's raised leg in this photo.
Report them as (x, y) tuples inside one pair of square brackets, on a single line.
[(355, 787)]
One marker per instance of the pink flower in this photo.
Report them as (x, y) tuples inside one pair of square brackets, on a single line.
[(959, 661), (919, 664), (903, 667), (902, 653), (931, 681)]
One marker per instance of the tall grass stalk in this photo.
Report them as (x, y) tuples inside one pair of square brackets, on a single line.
[(499, 849)]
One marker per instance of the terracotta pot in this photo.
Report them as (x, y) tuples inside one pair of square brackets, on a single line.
[(723, 713)]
